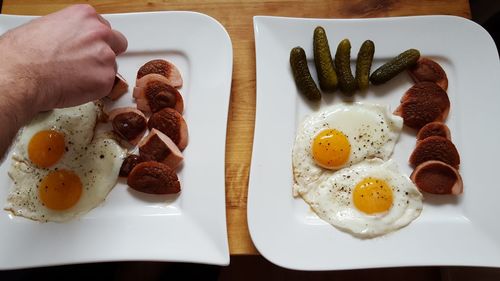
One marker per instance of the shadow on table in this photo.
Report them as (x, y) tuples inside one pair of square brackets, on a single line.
[(242, 268)]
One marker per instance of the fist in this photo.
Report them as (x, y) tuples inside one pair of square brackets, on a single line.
[(62, 59)]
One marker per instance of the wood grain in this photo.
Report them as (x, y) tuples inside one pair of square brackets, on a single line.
[(236, 16)]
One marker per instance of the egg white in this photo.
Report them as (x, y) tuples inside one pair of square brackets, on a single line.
[(331, 199), (372, 131)]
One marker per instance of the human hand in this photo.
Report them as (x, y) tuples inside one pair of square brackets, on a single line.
[(62, 59)]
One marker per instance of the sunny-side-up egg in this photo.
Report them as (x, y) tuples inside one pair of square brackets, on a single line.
[(340, 136), (368, 199), (59, 169)]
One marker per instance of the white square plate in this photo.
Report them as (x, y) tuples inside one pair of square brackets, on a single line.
[(190, 227), (461, 230)]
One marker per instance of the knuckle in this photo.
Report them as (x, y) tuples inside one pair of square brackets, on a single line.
[(100, 32), (106, 55), (86, 9)]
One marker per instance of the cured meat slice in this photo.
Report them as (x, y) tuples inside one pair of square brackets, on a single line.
[(120, 87), (437, 177), (171, 123), (428, 70), (163, 68), (423, 103), (158, 147), (128, 123), (154, 177), (434, 129), (435, 148), (153, 94)]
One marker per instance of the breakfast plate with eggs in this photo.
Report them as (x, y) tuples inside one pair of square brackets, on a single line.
[(332, 184), (78, 187)]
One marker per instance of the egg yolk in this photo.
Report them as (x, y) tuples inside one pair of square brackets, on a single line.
[(60, 190), (331, 149), (372, 196), (46, 148)]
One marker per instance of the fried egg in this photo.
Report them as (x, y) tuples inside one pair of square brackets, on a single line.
[(368, 199), (59, 170), (56, 135), (340, 136)]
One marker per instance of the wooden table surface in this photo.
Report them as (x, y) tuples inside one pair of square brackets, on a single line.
[(236, 16)]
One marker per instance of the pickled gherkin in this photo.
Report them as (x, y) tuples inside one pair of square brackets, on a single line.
[(323, 61), (302, 76), (364, 64), (347, 84), (397, 65)]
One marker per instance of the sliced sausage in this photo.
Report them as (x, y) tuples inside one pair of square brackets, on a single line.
[(154, 178), (128, 123), (171, 123), (129, 163), (437, 177), (163, 68), (428, 91), (434, 129), (120, 87), (423, 103), (416, 115), (158, 147), (428, 70), (435, 148), (152, 94)]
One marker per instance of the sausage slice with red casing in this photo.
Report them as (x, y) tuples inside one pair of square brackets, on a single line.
[(423, 103), (428, 70), (120, 87), (128, 123), (128, 164), (156, 146), (171, 123), (152, 94), (434, 129), (435, 148), (154, 178), (161, 67), (437, 177)]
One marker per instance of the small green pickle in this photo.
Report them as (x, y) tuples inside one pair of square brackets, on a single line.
[(395, 66), (364, 64), (347, 84), (302, 76), (323, 61)]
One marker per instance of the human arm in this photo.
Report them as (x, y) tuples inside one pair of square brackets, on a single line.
[(16, 108), (60, 60)]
